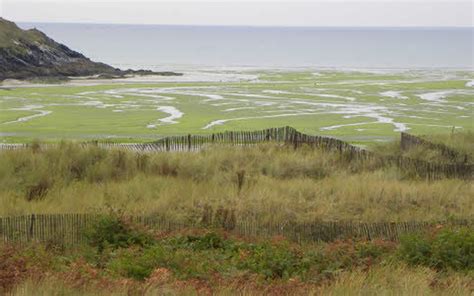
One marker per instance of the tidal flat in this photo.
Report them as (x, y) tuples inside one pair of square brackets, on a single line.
[(355, 105)]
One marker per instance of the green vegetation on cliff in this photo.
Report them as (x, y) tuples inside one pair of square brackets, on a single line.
[(30, 54)]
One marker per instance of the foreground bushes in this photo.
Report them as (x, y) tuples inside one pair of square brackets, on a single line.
[(135, 254), (447, 249), (199, 255), (113, 232), (120, 254), (267, 260)]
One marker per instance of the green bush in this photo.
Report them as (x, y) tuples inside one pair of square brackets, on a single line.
[(185, 263), (374, 249), (345, 255), (112, 232), (448, 249), (415, 250), (273, 261), (200, 256), (207, 241), (137, 263)]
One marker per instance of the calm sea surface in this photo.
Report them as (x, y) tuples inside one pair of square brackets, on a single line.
[(167, 47)]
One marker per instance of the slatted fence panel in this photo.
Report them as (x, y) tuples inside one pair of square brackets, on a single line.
[(291, 137), (71, 228)]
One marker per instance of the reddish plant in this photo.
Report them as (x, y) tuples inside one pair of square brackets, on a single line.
[(13, 269)]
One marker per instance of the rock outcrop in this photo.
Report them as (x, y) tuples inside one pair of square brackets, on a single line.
[(30, 54)]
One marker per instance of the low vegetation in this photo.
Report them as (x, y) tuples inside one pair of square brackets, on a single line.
[(265, 183), (462, 143), (138, 261)]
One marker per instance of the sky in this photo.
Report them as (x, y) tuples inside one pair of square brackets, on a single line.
[(345, 13)]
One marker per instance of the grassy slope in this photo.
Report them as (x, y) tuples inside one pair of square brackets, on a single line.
[(280, 184), (10, 34)]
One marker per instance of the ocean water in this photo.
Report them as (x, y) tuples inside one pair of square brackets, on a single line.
[(161, 47)]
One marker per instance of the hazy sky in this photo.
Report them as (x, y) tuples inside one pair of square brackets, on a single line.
[(250, 13)]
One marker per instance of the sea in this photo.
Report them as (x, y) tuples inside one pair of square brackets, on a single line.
[(170, 47)]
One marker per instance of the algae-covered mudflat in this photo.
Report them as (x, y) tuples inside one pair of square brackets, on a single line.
[(354, 105)]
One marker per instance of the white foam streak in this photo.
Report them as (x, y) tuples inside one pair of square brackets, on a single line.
[(434, 96), (393, 94), (222, 121), (172, 111), (40, 113)]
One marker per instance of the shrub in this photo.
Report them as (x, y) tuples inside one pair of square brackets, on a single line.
[(208, 241), (111, 231), (12, 268), (18, 262), (415, 250), (348, 254), (374, 249), (273, 261), (454, 249), (136, 263), (448, 249)]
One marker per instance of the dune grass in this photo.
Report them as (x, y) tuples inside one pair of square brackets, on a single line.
[(462, 142), (270, 183), (459, 142)]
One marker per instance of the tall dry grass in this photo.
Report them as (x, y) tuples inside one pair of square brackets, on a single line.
[(461, 142), (267, 182), (398, 280), (391, 279)]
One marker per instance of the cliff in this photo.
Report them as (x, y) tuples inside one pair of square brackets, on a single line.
[(28, 54)]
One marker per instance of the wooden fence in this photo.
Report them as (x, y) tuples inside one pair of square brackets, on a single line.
[(434, 170), (407, 141), (71, 228), (430, 170), (290, 137), (287, 135)]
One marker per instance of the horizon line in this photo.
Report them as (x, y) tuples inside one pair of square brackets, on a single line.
[(248, 26)]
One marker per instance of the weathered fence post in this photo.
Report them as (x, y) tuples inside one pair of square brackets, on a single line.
[(295, 140), (32, 224)]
